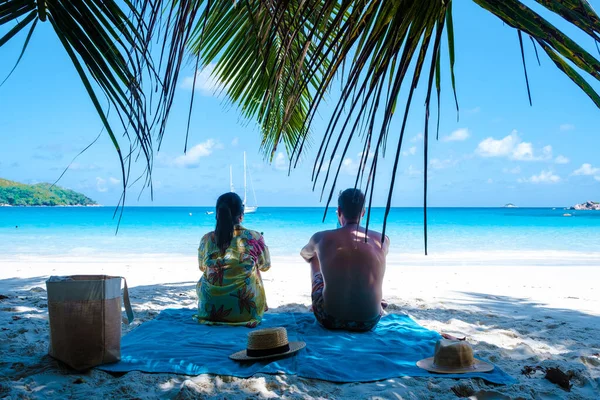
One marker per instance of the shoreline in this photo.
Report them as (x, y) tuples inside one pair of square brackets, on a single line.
[(555, 207), (497, 258), (515, 315)]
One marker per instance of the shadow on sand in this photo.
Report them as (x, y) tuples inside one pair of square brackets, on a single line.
[(511, 332)]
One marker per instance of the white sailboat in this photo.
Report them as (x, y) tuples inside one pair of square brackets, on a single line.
[(247, 209)]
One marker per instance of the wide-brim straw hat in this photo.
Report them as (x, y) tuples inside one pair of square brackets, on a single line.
[(267, 343), (454, 357)]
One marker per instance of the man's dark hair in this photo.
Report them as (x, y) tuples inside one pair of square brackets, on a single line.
[(351, 202)]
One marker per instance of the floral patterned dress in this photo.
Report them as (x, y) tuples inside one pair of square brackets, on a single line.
[(231, 290)]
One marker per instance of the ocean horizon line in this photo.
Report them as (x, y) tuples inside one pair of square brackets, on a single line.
[(283, 206)]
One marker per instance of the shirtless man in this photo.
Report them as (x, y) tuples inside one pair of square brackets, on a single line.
[(347, 272)]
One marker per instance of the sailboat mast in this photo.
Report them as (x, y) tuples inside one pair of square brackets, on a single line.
[(245, 179), (231, 188)]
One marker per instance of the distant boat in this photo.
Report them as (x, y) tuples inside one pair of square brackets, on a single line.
[(190, 214), (567, 215), (247, 209), (510, 205), (210, 212)]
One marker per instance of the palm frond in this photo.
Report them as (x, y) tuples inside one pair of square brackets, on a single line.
[(170, 24), (559, 47), (279, 60), (374, 48), (109, 54), (383, 40), (259, 49)]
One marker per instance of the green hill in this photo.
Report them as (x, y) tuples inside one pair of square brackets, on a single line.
[(40, 194)]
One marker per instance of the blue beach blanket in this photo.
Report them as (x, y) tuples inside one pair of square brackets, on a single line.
[(174, 343)]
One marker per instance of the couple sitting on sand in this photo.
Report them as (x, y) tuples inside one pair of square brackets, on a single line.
[(347, 268)]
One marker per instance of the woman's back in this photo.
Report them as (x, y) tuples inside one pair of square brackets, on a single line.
[(231, 289)]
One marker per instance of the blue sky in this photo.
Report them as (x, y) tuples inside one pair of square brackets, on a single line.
[(502, 150)]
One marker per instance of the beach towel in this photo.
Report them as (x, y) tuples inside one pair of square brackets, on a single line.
[(175, 343)]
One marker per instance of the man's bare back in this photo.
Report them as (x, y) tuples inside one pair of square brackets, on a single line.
[(352, 269)]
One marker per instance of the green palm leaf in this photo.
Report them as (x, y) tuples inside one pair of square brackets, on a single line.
[(279, 61), (374, 48), (259, 54), (108, 49)]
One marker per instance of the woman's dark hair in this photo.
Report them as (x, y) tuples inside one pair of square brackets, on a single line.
[(229, 210)]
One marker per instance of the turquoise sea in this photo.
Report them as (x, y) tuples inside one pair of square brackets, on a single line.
[(176, 230)]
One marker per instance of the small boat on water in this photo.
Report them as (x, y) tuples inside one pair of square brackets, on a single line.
[(567, 215), (510, 205), (209, 212)]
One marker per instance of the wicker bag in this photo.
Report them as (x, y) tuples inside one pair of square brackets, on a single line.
[(85, 319)]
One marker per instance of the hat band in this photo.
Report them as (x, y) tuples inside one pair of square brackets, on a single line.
[(472, 366), (268, 352)]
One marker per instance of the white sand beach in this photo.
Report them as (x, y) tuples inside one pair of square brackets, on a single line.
[(517, 309)]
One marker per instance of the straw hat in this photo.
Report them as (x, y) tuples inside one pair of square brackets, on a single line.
[(453, 357), (267, 343)]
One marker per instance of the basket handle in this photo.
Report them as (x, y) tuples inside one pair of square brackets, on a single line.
[(127, 304)]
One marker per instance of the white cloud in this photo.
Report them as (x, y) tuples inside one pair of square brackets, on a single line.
[(523, 151), (543, 177), (83, 167), (417, 138), (411, 171), (491, 147), (352, 167), (436, 163), (587, 170), (567, 127), (349, 166), (515, 170), (235, 141), (457, 136), (410, 152), (490, 180), (474, 110), (325, 166), (547, 152), (512, 147), (370, 155), (206, 82), (561, 160), (192, 158), (101, 184), (281, 162)]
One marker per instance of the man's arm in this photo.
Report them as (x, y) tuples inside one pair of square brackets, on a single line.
[(309, 251)]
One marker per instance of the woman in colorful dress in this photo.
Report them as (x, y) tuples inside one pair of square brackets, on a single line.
[(231, 258)]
